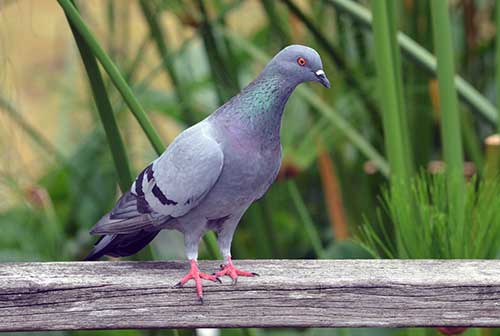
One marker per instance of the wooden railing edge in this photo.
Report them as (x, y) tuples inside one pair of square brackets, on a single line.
[(288, 293)]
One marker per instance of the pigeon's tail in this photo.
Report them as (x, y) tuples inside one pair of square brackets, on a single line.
[(129, 227), (121, 245)]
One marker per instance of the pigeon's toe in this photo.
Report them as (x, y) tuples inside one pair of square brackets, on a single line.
[(195, 274), (232, 272)]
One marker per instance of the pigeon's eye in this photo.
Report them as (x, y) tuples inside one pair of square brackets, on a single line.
[(301, 61)]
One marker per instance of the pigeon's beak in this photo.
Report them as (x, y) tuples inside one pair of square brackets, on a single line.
[(320, 74)]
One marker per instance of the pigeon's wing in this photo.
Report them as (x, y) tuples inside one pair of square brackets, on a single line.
[(169, 187), (185, 173)]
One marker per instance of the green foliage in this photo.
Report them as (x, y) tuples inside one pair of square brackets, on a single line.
[(428, 229)]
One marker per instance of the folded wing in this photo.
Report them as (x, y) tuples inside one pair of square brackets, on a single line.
[(169, 187)]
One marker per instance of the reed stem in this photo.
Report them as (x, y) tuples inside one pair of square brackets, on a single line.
[(416, 53), (450, 114), (105, 111), (111, 69), (391, 93)]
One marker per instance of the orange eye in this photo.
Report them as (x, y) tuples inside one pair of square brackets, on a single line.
[(301, 61)]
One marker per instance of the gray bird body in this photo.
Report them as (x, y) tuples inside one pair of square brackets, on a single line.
[(212, 172)]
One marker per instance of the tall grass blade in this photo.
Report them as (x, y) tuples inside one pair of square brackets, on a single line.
[(106, 114), (450, 114), (416, 53), (113, 72), (391, 93)]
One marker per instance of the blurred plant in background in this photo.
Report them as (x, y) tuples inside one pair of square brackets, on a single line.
[(348, 186)]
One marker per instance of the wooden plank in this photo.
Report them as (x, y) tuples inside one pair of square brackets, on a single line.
[(289, 293)]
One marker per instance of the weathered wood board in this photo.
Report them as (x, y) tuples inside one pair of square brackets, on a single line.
[(288, 293)]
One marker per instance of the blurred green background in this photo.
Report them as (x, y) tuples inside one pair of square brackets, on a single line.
[(390, 162)]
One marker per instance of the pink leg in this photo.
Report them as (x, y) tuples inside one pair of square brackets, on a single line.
[(196, 275), (231, 271)]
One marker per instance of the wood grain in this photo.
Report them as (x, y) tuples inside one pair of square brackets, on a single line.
[(289, 293)]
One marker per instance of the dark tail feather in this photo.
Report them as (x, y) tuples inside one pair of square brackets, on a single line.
[(121, 245), (95, 254)]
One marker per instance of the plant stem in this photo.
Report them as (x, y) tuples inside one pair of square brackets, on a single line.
[(391, 92), (126, 92), (422, 57), (105, 112), (450, 114)]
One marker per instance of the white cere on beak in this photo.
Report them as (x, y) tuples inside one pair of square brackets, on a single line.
[(320, 73)]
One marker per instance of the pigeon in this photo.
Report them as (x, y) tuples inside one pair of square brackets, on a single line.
[(212, 172)]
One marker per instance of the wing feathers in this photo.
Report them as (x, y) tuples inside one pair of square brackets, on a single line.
[(160, 196), (130, 214), (147, 222), (169, 187)]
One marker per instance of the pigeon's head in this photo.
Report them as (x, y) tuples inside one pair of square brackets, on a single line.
[(301, 64)]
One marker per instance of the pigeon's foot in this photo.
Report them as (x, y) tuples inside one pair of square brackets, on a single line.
[(232, 272), (196, 275)]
